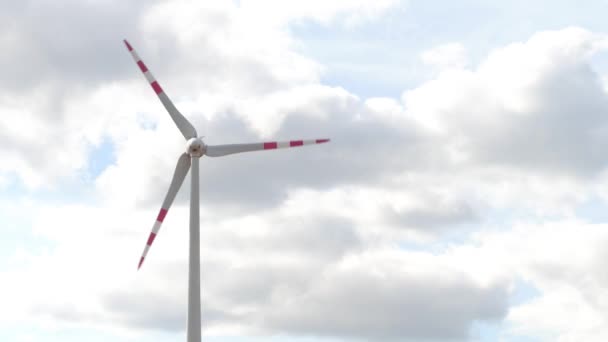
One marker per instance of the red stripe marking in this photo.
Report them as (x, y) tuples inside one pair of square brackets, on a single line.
[(151, 239), (128, 45), (141, 261), (142, 66), (161, 215), (320, 141), (156, 87), (295, 143), (270, 145)]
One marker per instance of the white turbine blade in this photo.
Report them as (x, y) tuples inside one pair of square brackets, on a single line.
[(181, 169), (182, 123), (222, 150)]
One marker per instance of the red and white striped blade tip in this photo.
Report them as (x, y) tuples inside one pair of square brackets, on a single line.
[(129, 47), (159, 220), (271, 145)]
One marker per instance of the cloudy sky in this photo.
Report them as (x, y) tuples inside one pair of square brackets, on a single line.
[(464, 195)]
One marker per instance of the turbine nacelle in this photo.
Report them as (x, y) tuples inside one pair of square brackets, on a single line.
[(195, 147)]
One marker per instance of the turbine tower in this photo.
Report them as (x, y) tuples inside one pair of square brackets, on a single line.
[(189, 160)]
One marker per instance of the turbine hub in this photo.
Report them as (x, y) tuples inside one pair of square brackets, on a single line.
[(195, 147)]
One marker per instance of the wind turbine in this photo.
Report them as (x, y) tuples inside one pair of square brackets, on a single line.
[(195, 149)]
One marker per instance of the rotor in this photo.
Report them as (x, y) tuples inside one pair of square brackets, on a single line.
[(195, 147)]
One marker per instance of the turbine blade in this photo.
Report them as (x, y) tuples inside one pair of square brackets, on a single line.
[(182, 123), (181, 170), (223, 150)]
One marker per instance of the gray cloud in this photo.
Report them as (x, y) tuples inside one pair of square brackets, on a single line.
[(158, 311), (364, 150), (66, 42), (254, 284), (148, 310), (364, 305), (565, 133), (312, 237), (434, 217)]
